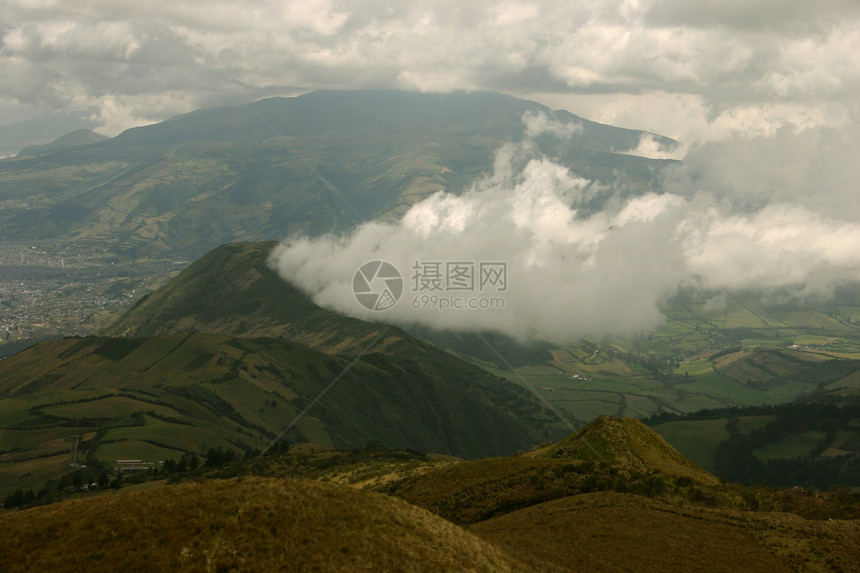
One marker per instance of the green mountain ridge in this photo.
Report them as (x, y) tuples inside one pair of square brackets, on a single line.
[(227, 355), (260, 326), (232, 290)]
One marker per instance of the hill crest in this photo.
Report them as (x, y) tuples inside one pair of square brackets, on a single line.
[(248, 524), (229, 355), (626, 443), (232, 290)]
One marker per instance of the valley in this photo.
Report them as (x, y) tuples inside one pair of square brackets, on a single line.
[(46, 296), (145, 355), (226, 354), (699, 359)]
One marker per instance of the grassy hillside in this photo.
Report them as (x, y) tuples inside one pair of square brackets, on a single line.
[(654, 536), (525, 513), (247, 524), (227, 355), (259, 384), (158, 397), (626, 443), (253, 385), (610, 531), (607, 454)]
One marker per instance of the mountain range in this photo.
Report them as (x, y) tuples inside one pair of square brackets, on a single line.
[(316, 163), (242, 427)]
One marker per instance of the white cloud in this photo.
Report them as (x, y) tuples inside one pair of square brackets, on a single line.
[(777, 247), (817, 65), (572, 274), (814, 168), (539, 123), (650, 146)]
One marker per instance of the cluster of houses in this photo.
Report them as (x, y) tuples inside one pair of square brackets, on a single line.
[(123, 466)]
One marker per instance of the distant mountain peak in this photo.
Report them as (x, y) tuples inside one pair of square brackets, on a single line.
[(73, 139)]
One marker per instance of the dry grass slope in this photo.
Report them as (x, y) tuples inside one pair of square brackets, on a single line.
[(609, 531), (245, 524), (619, 532), (522, 513)]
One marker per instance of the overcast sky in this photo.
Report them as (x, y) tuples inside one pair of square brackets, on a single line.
[(693, 70)]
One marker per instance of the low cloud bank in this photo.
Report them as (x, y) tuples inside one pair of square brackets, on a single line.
[(569, 274)]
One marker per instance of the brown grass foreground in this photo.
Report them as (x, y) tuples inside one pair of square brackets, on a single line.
[(609, 531), (246, 524)]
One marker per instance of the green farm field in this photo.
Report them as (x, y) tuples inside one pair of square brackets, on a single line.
[(737, 351), (695, 439)]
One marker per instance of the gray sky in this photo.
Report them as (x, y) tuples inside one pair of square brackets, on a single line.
[(697, 71)]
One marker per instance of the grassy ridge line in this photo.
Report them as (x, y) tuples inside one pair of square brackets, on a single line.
[(629, 444), (246, 524), (533, 513), (232, 290)]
